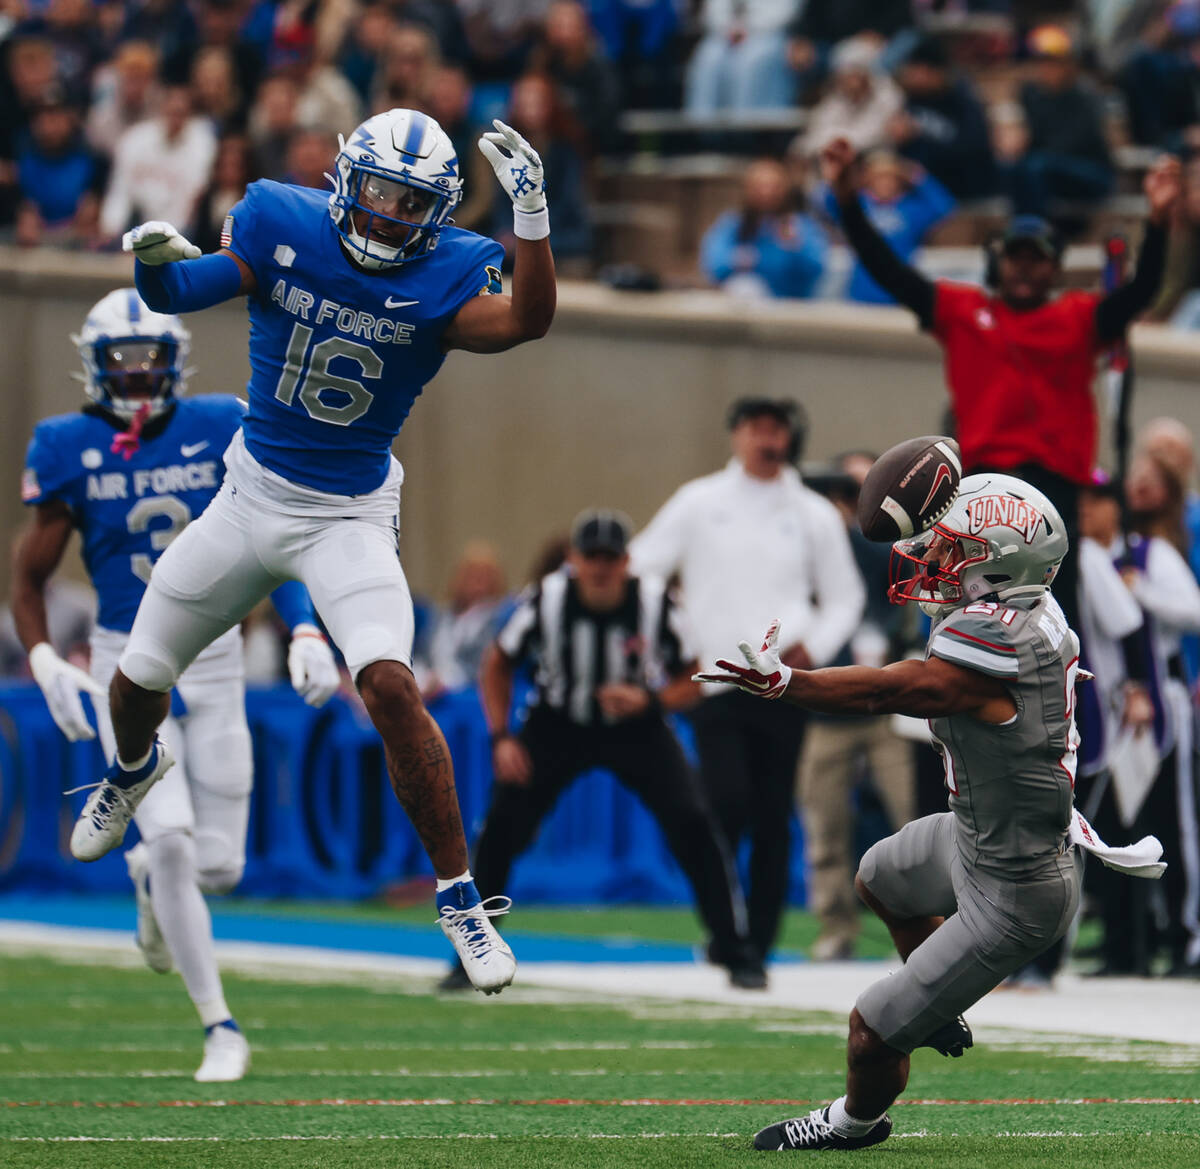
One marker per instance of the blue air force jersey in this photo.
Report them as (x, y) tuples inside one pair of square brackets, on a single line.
[(339, 355), (128, 512)]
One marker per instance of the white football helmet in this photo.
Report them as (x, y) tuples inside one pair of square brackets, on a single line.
[(1000, 538), (395, 184), (132, 355)]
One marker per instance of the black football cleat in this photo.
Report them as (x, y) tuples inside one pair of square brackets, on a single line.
[(815, 1132), (951, 1038)]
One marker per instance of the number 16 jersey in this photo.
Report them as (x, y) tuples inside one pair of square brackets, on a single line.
[(339, 355)]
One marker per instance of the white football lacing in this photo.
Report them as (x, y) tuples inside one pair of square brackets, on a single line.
[(804, 1130), (477, 940), (101, 813)]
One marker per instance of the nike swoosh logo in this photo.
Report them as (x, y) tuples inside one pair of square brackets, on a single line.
[(942, 476), (194, 449), (390, 303)]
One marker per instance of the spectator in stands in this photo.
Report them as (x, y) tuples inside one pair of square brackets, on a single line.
[(125, 91), (232, 170), (838, 750), (594, 707), (1019, 361), (218, 24), (1163, 584), (768, 246), (741, 61), (943, 126), (1063, 154), (818, 25), (71, 28), (861, 102), (59, 178), (536, 111), (29, 71), (215, 89), (571, 56), (477, 606), (448, 101), (406, 70), (160, 168), (310, 158), (273, 121), (1179, 300), (500, 35), (1161, 81), (363, 45), (751, 543), (903, 203), (639, 37)]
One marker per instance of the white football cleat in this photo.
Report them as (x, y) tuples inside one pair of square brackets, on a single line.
[(149, 937), (226, 1057), (485, 955), (102, 823)]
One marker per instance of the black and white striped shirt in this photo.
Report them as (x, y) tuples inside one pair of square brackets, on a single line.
[(574, 650)]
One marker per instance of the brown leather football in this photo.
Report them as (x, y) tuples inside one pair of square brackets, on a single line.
[(910, 487)]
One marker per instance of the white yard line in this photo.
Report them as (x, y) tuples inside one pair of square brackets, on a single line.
[(1164, 1010)]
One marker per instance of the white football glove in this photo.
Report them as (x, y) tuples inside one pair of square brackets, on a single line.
[(519, 169), (314, 672), (157, 243), (62, 683), (763, 674)]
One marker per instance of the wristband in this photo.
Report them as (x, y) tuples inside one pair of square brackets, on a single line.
[(496, 736), (532, 225)]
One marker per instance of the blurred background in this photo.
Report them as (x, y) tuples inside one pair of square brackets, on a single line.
[(700, 261)]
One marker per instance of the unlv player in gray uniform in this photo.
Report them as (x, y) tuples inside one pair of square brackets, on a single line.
[(972, 894)]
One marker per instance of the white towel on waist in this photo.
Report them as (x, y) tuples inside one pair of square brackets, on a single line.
[(1137, 860)]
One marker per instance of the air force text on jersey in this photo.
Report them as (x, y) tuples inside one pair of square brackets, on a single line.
[(168, 480), (350, 321)]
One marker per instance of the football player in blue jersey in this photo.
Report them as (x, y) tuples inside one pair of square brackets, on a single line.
[(354, 299), (129, 473)]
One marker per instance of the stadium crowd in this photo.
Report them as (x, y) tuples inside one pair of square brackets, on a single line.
[(119, 112), (116, 113)]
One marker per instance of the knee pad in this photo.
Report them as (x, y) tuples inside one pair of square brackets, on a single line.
[(149, 667), (172, 855), (219, 862)]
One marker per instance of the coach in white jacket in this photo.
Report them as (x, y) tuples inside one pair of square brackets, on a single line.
[(751, 543)]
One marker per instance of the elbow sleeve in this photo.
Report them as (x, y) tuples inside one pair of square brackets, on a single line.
[(187, 285)]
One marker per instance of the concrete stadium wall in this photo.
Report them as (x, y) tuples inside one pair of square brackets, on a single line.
[(623, 401)]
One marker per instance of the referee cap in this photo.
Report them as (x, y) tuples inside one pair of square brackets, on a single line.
[(601, 530)]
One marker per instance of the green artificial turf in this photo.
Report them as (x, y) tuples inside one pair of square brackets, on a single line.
[(385, 1073)]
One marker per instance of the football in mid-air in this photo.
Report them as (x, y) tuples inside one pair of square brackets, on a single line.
[(910, 487)]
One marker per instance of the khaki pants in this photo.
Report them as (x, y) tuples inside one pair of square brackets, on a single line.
[(825, 785)]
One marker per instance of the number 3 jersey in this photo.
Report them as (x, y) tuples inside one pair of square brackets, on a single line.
[(1011, 784), (128, 512), (339, 355)]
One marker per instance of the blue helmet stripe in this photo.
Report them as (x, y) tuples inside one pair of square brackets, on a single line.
[(135, 308), (416, 132)]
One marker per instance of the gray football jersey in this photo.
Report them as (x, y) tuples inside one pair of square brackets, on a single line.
[(1011, 785)]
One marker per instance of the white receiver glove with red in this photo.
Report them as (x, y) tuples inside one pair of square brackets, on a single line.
[(311, 664), (763, 674)]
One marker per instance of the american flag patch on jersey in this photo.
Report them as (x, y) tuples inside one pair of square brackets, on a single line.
[(227, 231), (30, 488)]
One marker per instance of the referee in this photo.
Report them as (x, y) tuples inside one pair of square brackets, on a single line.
[(1020, 360), (608, 660)]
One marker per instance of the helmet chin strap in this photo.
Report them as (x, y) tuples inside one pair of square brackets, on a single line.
[(372, 254)]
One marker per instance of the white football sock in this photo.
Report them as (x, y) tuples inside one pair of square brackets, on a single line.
[(847, 1125), (443, 885), (137, 764), (186, 925)]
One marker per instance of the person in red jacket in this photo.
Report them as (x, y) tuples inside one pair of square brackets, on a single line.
[(1019, 358)]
